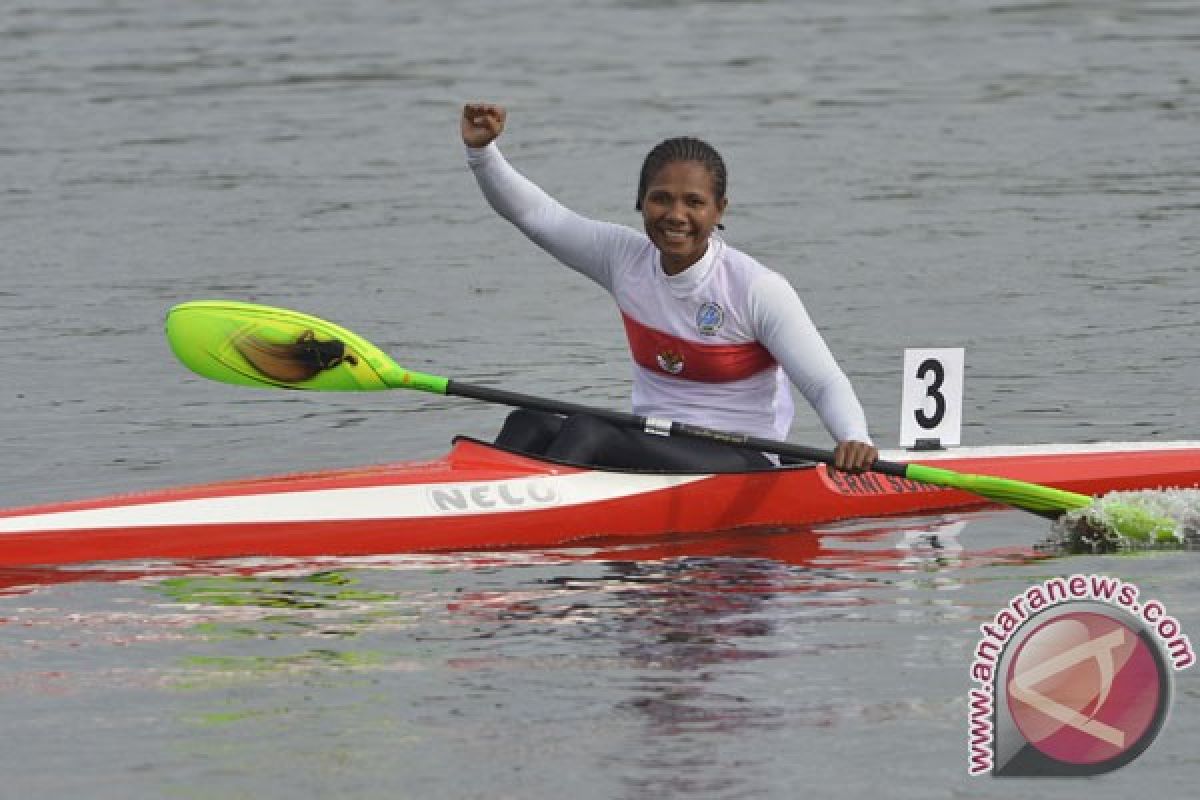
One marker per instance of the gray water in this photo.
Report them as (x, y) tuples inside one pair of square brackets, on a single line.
[(1017, 178)]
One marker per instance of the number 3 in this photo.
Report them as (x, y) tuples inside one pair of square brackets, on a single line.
[(932, 390)]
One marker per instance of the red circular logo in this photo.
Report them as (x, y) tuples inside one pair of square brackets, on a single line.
[(1085, 688)]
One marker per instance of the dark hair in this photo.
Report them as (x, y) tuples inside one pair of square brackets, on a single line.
[(682, 148)]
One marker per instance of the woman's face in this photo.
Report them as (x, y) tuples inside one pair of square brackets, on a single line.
[(680, 210)]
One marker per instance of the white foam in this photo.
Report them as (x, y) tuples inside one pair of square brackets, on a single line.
[(1176, 512)]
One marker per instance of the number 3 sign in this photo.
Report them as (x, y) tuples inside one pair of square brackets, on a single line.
[(931, 406)]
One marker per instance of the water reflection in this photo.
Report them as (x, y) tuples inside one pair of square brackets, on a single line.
[(694, 624), (667, 657)]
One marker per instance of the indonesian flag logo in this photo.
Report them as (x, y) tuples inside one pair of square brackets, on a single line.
[(670, 361)]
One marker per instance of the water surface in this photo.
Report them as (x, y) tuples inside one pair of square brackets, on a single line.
[(1017, 178)]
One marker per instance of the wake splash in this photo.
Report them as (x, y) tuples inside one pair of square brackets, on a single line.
[(1165, 519)]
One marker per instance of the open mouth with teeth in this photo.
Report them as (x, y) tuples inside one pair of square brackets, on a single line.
[(676, 236)]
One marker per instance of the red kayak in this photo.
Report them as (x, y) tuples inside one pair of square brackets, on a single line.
[(480, 498)]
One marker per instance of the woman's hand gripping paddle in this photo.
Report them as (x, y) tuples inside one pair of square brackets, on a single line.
[(261, 346)]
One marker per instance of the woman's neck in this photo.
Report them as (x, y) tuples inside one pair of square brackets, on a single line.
[(673, 266)]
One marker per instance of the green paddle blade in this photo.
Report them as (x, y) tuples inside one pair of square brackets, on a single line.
[(1124, 520), (1131, 520), (265, 347), (1029, 496), (253, 345), (1140, 524)]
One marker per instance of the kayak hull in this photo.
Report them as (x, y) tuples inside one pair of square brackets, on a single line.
[(478, 497)]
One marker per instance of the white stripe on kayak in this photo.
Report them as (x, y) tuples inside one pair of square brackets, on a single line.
[(361, 503), (450, 499)]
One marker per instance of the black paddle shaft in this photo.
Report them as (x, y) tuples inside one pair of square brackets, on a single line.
[(659, 427)]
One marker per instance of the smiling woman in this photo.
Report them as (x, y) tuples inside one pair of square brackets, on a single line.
[(715, 336), (681, 194)]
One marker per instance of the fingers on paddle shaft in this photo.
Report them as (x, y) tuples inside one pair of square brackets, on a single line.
[(854, 456), (253, 345)]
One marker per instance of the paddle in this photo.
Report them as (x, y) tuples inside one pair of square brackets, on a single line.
[(255, 345)]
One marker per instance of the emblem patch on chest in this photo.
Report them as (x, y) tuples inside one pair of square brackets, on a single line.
[(709, 318), (670, 361)]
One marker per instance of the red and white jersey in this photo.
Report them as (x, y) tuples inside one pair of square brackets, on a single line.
[(714, 345)]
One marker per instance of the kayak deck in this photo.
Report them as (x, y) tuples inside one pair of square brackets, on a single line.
[(480, 497)]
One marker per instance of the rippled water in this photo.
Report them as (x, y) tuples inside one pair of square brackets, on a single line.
[(757, 667), (1019, 178)]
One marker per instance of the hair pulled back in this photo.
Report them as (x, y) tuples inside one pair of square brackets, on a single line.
[(682, 148)]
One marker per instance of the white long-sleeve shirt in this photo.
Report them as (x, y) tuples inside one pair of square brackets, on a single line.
[(714, 345)]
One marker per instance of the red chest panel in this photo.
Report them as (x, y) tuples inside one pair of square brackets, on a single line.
[(666, 354)]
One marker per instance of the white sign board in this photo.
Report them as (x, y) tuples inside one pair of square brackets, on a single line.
[(931, 406)]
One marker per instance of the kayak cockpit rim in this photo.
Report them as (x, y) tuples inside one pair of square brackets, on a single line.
[(787, 465)]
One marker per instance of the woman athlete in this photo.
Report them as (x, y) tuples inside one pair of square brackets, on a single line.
[(715, 336)]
